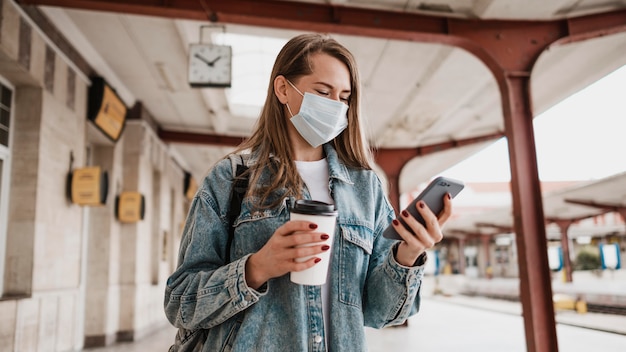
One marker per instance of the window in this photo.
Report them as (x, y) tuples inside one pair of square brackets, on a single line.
[(5, 115), (6, 96)]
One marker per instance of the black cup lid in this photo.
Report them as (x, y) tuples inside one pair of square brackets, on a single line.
[(313, 207)]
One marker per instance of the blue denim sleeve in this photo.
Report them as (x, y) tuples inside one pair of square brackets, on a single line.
[(392, 290), (204, 291)]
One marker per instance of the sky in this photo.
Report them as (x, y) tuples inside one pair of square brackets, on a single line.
[(582, 138)]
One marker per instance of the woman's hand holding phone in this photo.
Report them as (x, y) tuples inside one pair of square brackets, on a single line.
[(419, 225), (420, 237)]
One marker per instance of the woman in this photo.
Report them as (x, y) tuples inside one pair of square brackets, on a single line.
[(305, 146)]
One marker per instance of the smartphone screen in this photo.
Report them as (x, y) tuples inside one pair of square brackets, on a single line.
[(432, 195)]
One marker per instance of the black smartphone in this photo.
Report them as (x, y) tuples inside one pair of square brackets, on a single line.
[(433, 197)]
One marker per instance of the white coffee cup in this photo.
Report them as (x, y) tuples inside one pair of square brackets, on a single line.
[(325, 216)]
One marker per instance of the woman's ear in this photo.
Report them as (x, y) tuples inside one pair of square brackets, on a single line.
[(280, 88)]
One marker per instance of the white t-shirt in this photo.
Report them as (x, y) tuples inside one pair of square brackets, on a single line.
[(315, 176)]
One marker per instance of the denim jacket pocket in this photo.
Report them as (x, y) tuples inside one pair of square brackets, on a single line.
[(249, 214), (232, 334), (253, 228), (356, 244)]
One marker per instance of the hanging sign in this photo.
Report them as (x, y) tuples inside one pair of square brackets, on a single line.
[(130, 207), (106, 109), (88, 186)]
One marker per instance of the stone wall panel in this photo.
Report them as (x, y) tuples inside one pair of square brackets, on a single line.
[(8, 312)]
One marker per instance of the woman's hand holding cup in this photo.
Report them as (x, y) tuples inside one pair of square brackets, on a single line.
[(294, 239)]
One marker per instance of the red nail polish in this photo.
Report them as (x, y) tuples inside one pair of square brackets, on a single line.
[(325, 247), (317, 260), (405, 213), (449, 195), (324, 237), (421, 205), (396, 222), (312, 226)]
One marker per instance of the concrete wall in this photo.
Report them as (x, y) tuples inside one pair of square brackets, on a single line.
[(75, 276)]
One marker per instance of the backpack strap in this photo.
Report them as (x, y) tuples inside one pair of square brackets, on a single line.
[(237, 193)]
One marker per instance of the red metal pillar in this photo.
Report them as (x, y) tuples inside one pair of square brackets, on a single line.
[(486, 264), (392, 161), (462, 256), (535, 283), (510, 53), (622, 212), (567, 263)]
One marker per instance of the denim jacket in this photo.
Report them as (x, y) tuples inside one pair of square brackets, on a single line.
[(367, 286)]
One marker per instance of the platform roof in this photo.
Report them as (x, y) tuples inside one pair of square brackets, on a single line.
[(420, 91), (569, 205)]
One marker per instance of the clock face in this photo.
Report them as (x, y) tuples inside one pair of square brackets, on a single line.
[(210, 65)]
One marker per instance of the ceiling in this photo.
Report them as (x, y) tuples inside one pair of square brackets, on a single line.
[(416, 93)]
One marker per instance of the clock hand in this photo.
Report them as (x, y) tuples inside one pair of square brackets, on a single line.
[(214, 61), (210, 63), (203, 59)]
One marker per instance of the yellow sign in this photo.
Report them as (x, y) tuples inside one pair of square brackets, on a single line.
[(89, 186), (130, 207), (112, 114), (106, 109)]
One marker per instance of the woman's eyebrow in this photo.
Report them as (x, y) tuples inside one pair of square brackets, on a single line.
[(330, 86)]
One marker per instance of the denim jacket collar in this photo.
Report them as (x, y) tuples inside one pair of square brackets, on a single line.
[(336, 169)]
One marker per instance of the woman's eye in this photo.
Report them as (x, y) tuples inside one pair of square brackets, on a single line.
[(321, 92), (345, 100)]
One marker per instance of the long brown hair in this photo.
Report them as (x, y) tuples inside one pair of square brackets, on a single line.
[(270, 140)]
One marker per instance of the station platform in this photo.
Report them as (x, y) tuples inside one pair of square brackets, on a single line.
[(450, 320), (601, 292)]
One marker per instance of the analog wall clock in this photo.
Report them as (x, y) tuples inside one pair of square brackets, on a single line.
[(210, 65)]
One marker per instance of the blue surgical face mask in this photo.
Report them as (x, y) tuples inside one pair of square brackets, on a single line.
[(319, 119)]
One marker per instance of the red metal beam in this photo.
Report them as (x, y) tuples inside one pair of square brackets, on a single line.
[(210, 139), (439, 147), (374, 23), (272, 13), (606, 206), (593, 26), (502, 228), (465, 233), (334, 18), (578, 218), (199, 138), (392, 160)]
